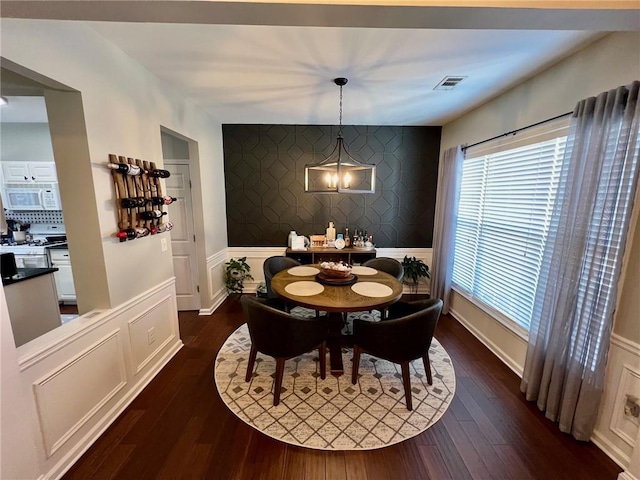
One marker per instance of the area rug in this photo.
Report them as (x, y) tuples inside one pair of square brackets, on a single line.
[(333, 414)]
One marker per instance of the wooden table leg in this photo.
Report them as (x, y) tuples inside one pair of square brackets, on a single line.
[(334, 343)]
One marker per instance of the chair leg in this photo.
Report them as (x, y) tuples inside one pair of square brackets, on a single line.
[(322, 350), (406, 380), (278, 386), (427, 368), (252, 361), (356, 364)]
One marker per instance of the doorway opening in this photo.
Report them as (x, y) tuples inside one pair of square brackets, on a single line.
[(184, 241)]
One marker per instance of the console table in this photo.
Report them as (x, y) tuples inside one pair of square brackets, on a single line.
[(352, 256)]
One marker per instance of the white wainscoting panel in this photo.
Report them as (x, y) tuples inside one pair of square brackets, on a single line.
[(626, 426), (255, 258), (150, 332), (215, 281), (257, 255), (83, 376), (70, 395), (615, 434)]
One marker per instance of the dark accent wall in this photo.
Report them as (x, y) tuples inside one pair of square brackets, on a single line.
[(264, 179)]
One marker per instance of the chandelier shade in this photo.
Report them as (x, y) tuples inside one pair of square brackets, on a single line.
[(339, 172)]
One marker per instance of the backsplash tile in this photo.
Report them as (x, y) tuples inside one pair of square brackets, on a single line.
[(36, 216)]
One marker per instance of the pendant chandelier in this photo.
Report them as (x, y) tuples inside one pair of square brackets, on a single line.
[(339, 172)]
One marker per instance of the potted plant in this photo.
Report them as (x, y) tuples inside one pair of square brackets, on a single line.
[(236, 272), (414, 269), (261, 290)]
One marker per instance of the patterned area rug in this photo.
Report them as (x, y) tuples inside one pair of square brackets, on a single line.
[(333, 414)]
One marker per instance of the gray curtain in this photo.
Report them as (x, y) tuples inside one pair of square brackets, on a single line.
[(576, 294), (444, 223)]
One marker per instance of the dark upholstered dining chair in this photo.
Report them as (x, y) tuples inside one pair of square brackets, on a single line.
[(282, 336), (403, 308), (387, 265), (270, 267), (398, 340)]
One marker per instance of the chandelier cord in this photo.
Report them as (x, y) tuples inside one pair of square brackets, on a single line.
[(340, 129)]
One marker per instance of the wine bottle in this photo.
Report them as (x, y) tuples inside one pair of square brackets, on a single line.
[(125, 168), (166, 200), (165, 227), (151, 215), (126, 234), (159, 173), (133, 202), (142, 232)]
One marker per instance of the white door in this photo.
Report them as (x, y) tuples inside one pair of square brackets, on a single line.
[(183, 239)]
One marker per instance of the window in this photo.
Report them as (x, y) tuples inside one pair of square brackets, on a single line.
[(507, 194)]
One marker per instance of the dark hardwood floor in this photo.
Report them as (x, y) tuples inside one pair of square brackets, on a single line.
[(178, 427), (68, 309)]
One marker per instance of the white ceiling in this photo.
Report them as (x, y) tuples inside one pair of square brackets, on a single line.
[(276, 74), (274, 63)]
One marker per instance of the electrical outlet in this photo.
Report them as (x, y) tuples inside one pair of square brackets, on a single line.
[(163, 244), (151, 335)]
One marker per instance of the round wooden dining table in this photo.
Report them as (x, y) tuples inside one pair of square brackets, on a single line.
[(372, 290)]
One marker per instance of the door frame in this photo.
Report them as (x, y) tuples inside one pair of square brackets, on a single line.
[(198, 215), (196, 273)]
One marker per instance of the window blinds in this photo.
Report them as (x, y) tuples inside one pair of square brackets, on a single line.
[(507, 194)]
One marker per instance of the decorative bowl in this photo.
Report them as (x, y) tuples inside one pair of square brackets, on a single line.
[(335, 270)]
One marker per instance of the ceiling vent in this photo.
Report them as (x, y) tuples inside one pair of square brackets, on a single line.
[(449, 82)]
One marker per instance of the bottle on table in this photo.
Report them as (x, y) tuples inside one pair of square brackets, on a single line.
[(331, 235), (292, 234)]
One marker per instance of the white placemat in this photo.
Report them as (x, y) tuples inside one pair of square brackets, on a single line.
[(360, 270), (304, 289), (303, 271), (371, 289)]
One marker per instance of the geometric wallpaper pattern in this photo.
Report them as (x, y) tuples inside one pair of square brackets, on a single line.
[(264, 181)]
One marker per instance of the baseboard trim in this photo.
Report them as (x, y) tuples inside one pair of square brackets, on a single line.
[(613, 452), (627, 476), (219, 297), (497, 351), (74, 454)]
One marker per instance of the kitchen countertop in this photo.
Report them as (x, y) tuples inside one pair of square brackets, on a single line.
[(58, 246), (26, 274)]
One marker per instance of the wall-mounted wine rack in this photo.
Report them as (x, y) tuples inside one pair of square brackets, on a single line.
[(139, 199)]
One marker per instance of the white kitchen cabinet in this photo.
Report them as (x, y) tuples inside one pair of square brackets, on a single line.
[(63, 277), (29, 172)]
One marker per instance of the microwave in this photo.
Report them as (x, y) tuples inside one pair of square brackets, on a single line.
[(32, 197)]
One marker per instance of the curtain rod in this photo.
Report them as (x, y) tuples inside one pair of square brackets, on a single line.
[(512, 132)]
